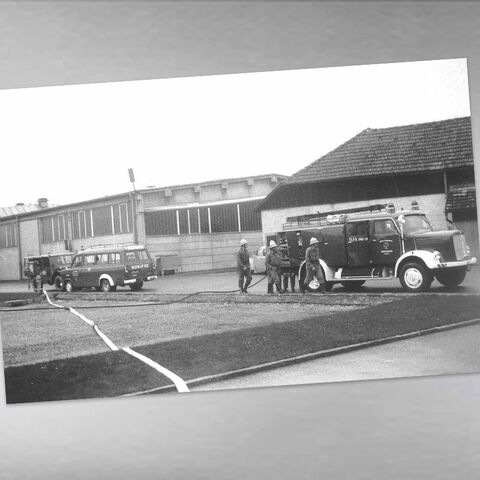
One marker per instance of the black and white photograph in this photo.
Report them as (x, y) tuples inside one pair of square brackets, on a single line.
[(238, 231)]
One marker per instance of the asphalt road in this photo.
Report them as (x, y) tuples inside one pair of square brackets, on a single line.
[(227, 281), (450, 352)]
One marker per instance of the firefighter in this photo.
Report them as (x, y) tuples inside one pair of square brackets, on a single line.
[(243, 267), (287, 269), (312, 261), (34, 274), (273, 262)]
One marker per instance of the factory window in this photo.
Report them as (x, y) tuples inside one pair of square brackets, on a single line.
[(224, 218), (213, 219), (194, 224), (183, 221), (53, 228), (121, 220), (250, 220), (204, 224), (8, 235), (161, 223)]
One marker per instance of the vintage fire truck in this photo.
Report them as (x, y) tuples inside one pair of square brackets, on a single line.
[(376, 242)]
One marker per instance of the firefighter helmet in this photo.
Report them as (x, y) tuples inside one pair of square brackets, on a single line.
[(313, 240), (243, 242), (272, 244)]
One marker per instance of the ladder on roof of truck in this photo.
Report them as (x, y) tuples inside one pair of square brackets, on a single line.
[(328, 218)]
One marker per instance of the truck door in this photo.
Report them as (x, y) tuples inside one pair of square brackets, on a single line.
[(358, 243), (385, 242)]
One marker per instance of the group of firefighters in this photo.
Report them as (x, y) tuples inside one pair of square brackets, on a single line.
[(277, 269)]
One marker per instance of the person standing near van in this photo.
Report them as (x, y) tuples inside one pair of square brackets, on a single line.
[(273, 263), (312, 261), (243, 267)]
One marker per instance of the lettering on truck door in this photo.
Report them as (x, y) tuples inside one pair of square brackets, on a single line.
[(358, 243)]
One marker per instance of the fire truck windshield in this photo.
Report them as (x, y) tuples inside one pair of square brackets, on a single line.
[(416, 224)]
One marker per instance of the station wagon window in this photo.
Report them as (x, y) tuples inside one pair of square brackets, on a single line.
[(91, 259), (78, 262), (115, 258), (130, 255), (142, 255), (102, 258), (383, 227)]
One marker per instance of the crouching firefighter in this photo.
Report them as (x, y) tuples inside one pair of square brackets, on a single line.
[(312, 263), (243, 267), (273, 263)]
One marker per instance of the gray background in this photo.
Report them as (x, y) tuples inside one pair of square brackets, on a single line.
[(409, 428)]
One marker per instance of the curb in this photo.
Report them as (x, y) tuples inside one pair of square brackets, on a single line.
[(306, 357), (21, 302)]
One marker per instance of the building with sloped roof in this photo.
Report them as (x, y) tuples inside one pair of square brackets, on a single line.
[(193, 227), (431, 163)]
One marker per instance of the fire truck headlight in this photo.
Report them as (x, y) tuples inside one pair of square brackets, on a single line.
[(438, 257)]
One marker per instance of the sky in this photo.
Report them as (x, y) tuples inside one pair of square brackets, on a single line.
[(76, 142)]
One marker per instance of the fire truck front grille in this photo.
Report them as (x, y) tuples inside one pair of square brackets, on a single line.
[(460, 246)]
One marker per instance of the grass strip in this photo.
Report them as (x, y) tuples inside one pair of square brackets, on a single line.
[(115, 373)]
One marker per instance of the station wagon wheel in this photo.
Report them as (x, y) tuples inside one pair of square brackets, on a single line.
[(105, 285), (58, 282), (414, 277), (68, 286)]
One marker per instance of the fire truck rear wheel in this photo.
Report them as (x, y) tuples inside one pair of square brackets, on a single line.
[(353, 285), (451, 277), (415, 277)]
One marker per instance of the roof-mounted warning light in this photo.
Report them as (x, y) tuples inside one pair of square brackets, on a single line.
[(415, 205), (391, 208)]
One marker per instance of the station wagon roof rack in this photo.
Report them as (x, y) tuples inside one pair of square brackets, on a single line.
[(100, 246)]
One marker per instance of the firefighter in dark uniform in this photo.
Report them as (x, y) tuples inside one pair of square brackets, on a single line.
[(273, 263), (243, 267), (287, 269), (34, 274), (314, 270)]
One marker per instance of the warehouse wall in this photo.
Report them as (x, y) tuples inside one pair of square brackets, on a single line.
[(203, 251)]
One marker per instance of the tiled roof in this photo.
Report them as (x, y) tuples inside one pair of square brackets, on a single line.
[(18, 209), (461, 198), (385, 151)]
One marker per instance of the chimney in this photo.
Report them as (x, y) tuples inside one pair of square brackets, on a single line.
[(43, 202)]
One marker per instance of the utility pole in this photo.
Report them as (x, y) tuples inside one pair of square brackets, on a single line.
[(132, 180)]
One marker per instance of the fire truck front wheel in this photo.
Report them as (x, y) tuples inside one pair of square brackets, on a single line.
[(415, 277), (451, 277)]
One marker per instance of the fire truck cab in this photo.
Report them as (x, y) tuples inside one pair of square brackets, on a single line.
[(377, 242)]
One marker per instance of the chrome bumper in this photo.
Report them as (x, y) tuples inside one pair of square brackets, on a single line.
[(460, 263)]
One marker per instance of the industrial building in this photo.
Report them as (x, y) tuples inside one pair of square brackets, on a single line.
[(194, 227), (430, 163)]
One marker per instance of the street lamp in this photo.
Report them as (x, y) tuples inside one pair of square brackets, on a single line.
[(132, 180)]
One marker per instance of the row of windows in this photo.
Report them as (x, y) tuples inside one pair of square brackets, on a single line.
[(237, 217), (8, 235), (92, 222)]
